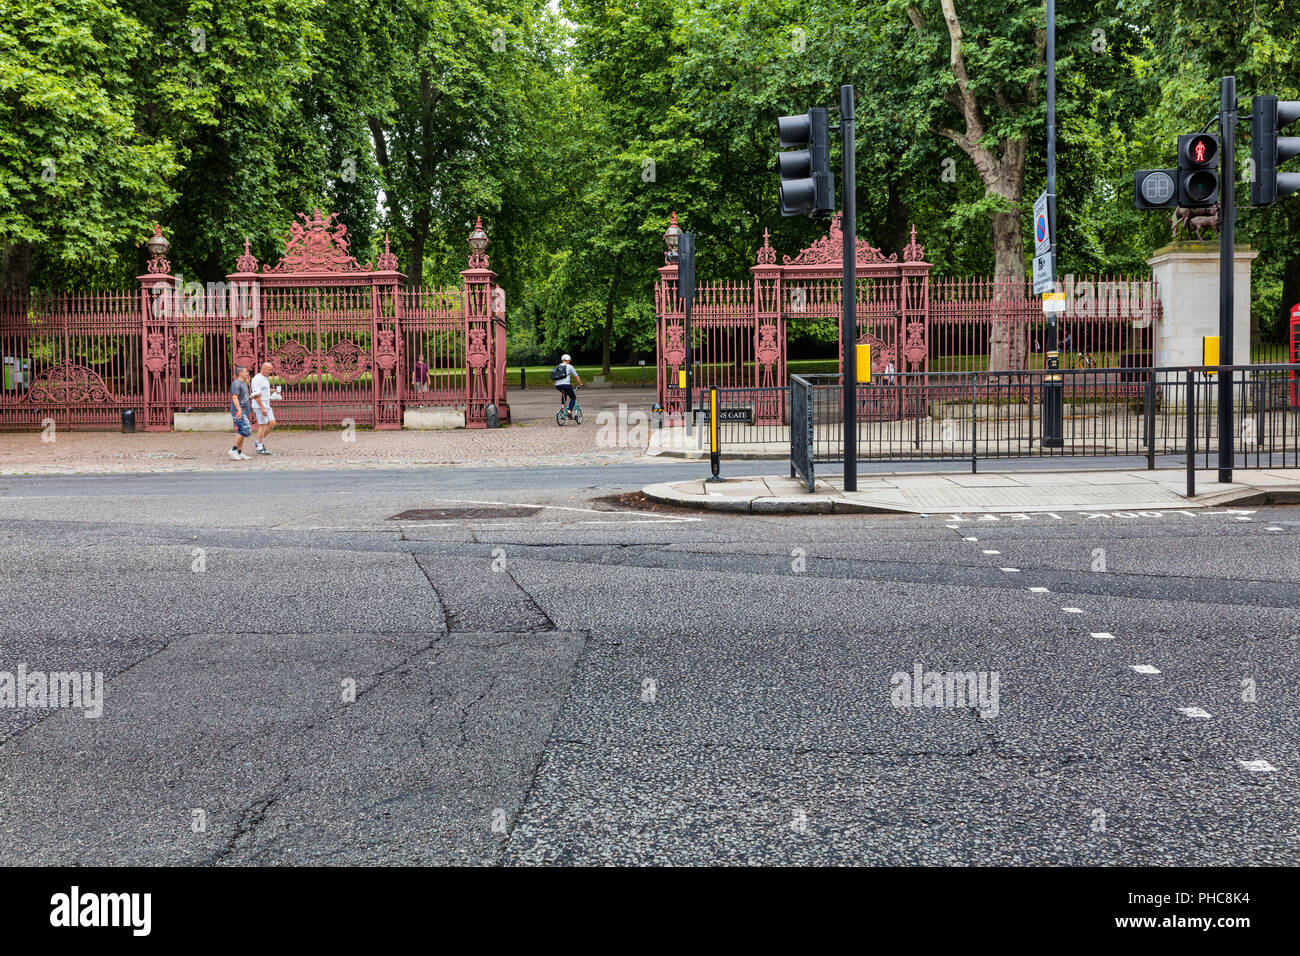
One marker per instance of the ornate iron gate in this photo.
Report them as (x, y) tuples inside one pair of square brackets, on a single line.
[(738, 331)]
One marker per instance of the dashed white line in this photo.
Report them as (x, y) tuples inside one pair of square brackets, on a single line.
[(1257, 766), (1072, 610), (1011, 570), (987, 551), (1195, 712), (1040, 590), (1144, 668), (1102, 635)]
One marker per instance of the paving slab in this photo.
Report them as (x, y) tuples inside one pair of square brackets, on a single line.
[(989, 493)]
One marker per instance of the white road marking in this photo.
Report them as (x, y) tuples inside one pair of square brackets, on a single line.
[(1040, 590), (976, 539), (1011, 570), (1072, 610), (1272, 529), (987, 551), (1257, 766), (1194, 712), (1144, 669), (1102, 635)]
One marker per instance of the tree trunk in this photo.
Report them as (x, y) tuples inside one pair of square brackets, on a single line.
[(897, 216), (609, 317), (419, 236), (1007, 337), (16, 269)]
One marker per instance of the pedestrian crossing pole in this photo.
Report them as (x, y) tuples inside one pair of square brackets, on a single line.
[(715, 445)]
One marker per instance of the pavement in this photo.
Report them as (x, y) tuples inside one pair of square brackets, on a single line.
[(297, 669), (992, 492), (532, 439)]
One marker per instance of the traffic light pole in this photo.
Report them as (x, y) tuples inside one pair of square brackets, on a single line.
[(849, 294), (1227, 238)]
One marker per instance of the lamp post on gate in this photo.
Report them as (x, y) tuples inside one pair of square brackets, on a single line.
[(681, 253), (478, 239)]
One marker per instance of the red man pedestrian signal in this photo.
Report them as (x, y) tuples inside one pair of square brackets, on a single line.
[(1198, 170)]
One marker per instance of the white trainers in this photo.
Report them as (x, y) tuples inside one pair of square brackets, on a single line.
[(243, 457), (233, 454)]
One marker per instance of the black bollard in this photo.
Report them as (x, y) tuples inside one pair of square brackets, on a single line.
[(128, 421)]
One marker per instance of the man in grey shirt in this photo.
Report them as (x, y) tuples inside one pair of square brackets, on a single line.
[(241, 410)]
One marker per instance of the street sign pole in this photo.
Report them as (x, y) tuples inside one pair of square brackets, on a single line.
[(1227, 237), (1053, 387)]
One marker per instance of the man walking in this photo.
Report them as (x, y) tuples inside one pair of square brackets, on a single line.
[(262, 406), (241, 411)]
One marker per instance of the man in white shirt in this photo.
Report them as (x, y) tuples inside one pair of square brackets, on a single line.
[(261, 389)]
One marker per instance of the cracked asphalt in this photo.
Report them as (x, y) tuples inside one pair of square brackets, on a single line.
[(291, 676)]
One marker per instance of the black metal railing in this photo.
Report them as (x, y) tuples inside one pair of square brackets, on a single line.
[(801, 430), (1126, 413)]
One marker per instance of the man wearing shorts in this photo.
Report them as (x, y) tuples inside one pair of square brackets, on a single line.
[(262, 405), (241, 410), (563, 386)]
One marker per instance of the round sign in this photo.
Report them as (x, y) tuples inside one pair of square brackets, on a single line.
[(1040, 228), (1158, 188)]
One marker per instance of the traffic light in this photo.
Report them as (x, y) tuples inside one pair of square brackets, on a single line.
[(807, 185), (1198, 170), (686, 267), (1155, 189), (1268, 117)]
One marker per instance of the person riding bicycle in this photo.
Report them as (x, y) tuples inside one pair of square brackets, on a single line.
[(561, 375)]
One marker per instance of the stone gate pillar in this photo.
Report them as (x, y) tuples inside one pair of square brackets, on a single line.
[(1187, 278)]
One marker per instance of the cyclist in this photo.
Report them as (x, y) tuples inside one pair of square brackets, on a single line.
[(562, 375)]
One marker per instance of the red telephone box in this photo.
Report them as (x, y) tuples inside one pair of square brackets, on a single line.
[(1295, 355)]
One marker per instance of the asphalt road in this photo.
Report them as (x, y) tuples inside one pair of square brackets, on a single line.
[(291, 676)]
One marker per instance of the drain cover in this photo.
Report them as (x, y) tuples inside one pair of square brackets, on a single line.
[(450, 514)]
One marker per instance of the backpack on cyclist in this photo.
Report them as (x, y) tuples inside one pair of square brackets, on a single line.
[(558, 373)]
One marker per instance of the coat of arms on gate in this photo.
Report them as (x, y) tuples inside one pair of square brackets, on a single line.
[(477, 353), (767, 350), (293, 361), (317, 244), (674, 350)]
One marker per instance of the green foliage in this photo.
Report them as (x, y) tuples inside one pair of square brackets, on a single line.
[(575, 133)]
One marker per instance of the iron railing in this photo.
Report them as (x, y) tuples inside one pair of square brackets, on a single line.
[(802, 458), (1140, 414)]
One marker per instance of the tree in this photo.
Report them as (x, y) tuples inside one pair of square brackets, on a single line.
[(77, 177)]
